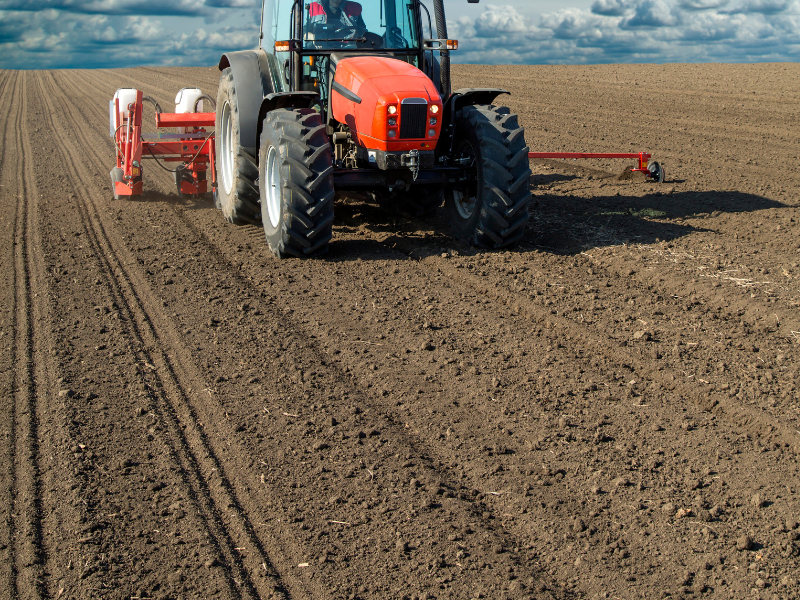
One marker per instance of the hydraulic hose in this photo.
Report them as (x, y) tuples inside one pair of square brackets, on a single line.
[(444, 55)]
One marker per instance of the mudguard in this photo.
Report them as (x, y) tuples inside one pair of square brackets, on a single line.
[(467, 97), (470, 97), (300, 99), (253, 81)]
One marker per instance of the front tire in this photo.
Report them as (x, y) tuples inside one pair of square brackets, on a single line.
[(488, 207), (237, 170), (296, 182)]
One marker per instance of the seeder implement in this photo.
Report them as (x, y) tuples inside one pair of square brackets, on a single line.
[(652, 170), (192, 147)]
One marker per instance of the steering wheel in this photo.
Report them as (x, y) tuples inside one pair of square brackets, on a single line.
[(357, 34), (349, 32), (395, 39)]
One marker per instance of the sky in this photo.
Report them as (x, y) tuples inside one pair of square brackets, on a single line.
[(41, 34)]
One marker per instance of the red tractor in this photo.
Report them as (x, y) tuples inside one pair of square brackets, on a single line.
[(347, 96)]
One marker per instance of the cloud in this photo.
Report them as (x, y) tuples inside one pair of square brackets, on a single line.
[(651, 13), (500, 20), (118, 33), (766, 7), (701, 4), (191, 8), (643, 31), (611, 8), (55, 39)]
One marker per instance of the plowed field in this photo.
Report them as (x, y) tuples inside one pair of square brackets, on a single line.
[(611, 410)]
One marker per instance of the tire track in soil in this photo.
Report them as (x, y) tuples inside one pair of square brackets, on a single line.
[(756, 421), (288, 269), (27, 575), (432, 465), (355, 386), (420, 447), (510, 298), (189, 445), (9, 123), (559, 335)]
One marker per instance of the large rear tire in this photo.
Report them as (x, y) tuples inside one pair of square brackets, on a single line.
[(296, 180), (489, 206), (237, 170)]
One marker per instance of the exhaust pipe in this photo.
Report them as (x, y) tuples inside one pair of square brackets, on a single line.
[(444, 55)]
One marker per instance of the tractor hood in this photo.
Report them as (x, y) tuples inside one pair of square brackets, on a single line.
[(387, 103)]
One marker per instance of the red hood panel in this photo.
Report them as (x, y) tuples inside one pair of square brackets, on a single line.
[(378, 82)]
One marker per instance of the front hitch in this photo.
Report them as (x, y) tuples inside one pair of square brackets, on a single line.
[(411, 160)]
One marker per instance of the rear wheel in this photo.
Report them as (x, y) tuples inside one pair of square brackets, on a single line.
[(296, 182), (488, 207), (237, 170)]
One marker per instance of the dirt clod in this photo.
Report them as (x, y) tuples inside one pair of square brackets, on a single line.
[(744, 542)]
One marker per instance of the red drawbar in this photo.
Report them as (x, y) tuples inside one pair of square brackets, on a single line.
[(643, 157)]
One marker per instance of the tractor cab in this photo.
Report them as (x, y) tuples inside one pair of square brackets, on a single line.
[(302, 36)]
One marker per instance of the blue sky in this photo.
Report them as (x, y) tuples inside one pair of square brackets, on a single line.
[(38, 34)]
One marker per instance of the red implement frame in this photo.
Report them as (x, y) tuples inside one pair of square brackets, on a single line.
[(642, 157), (193, 148)]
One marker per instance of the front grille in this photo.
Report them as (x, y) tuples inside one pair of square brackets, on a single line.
[(413, 119)]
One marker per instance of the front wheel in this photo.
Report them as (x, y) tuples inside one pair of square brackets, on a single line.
[(488, 206), (295, 168)]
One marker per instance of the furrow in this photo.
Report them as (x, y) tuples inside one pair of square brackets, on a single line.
[(27, 549), (433, 464), (173, 399), (756, 421), (419, 446)]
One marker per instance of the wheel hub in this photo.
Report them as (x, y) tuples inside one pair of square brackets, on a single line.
[(272, 180), (226, 145)]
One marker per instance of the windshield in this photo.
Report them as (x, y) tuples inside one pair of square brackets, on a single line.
[(370, 24)]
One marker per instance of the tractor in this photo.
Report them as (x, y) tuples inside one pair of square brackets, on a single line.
[(342, 95)]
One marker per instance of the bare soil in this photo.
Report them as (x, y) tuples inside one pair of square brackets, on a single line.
[(608, 411)]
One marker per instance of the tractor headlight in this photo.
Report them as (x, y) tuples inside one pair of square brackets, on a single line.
[(392, 133), (434, 108), (392, 121), (434, 121), (392, 109), (431, 132)]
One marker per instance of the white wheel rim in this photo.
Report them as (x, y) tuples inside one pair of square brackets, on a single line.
[(464, 204), (273, 183), (226, 149)]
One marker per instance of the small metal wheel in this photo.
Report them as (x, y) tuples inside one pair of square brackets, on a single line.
[(177, 175), (116, 175), (656, 172)]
